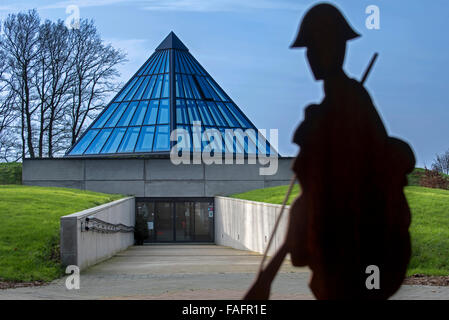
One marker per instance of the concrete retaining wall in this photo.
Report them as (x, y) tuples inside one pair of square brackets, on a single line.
[(85, 248), (152, 177), (247, 225)]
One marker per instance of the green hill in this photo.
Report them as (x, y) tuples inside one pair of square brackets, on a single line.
[(29, 228), (429, 229)]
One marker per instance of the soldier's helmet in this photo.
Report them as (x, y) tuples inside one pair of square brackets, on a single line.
[(323, 22)]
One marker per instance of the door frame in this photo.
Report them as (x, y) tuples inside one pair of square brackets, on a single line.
[(174, 200)]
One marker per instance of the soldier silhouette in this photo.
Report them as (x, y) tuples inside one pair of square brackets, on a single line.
[(352, 212)]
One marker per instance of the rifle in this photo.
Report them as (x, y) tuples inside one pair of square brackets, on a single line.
[(368, 69)]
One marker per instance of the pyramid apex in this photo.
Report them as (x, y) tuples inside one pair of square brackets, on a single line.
[(171, 42)]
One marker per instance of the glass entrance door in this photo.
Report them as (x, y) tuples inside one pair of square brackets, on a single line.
[(164, 221), (185, 221), (204, 221), (180, 220)]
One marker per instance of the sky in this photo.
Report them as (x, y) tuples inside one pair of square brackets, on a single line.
[(244, 45)]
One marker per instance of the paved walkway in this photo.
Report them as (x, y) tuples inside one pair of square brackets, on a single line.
[(187, 272)]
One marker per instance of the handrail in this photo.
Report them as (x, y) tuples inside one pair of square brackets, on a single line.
[(95, 224)]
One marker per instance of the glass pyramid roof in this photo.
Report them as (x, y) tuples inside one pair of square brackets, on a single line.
[(171, 90)]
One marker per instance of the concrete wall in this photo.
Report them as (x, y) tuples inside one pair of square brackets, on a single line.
[(151, 177), (86, 248), (247, 225)]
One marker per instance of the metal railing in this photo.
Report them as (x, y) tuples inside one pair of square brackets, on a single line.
[(97, 225)]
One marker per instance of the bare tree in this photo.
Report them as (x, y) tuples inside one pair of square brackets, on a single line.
[(441, 163), (19, 42), (8, 116), (52, 83), (94, 72)]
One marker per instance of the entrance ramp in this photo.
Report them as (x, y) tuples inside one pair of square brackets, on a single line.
[(182, 259)]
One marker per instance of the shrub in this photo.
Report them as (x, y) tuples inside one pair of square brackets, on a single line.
[(434, 179), (11, 173)]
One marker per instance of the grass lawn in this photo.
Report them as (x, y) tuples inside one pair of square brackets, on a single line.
[(29, 228), (429, 229)]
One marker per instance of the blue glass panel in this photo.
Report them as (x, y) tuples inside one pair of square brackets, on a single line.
[(161, 63), (142, 87), (214, 139), (184, 141), (204, 88), (219, 120), (177, 70), (105, 116), (205, 113), (144, 70), (151, 115), (181, 112), (187, 62), (126, 90), (196, 132), (117, 114), (192, 64), (162, 139), (193, 111), (196, 93), (262, 145), (196, 65), (152, 64), (155, 66), (166, 58), (217, 90), (98, 142), (229, 140), (155, 70), (145, 142), (250, 146), (149, 88), (127, 116), (223, 140), (227, 115), (155, 63), (179, 88), (186, 65), (139, 114), (165, 88), (84, 142), (181, 65), (161, 67), (114, 141), (164, 113), (167, 64), (157, 88), (185, 82), (206, 84), (239, 141), (238, 115), (129, 140), (131, 92)]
